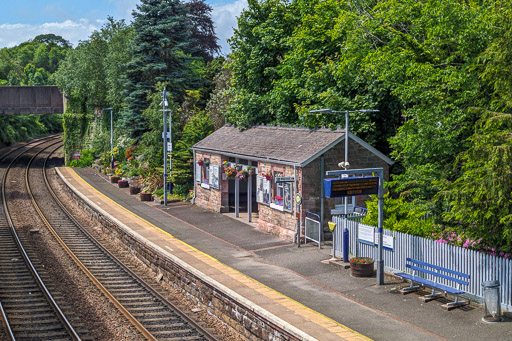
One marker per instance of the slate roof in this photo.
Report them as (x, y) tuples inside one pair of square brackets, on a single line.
[(274, 143)]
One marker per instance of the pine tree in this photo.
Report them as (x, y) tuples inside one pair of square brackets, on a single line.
[(162, 51)]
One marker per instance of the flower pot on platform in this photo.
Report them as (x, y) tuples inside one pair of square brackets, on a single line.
[(123, 184), (114, 179), (134, 190), (146, 197), (361, 267)]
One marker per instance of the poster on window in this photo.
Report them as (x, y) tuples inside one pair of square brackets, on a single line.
[(288, 194), (214, 176), (267, 191), (259, 189), (198, 172)]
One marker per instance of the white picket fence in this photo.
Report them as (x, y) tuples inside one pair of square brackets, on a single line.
[(481, 267)]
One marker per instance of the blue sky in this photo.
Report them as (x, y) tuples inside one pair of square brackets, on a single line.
[(21, 20)]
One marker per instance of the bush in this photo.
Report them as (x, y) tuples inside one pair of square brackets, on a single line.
[(86, 159)]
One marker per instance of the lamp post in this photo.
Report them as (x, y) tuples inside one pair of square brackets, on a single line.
[(111, 139), (166, 136), (345, 165)]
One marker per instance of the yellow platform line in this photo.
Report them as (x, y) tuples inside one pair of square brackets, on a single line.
[(269, 292)]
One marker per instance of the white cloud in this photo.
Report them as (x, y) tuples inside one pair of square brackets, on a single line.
[(73, 31), (225, 19)]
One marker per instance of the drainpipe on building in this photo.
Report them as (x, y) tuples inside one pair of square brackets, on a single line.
[(322, 171), (195, 180), (296, 235)]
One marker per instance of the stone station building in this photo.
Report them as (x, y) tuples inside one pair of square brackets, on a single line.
[(259, 171)]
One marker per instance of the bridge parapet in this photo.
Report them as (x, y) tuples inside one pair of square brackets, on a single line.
[(24, 100)]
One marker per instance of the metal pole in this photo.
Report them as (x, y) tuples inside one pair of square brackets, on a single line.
[(111, 141), (237, 194), (169, 152), (164, 107), (380, 255), (321, 229)]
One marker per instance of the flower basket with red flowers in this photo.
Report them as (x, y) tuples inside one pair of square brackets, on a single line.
[(361, 266), (200, 163), (267, 175), (242, 174), (230, 172)]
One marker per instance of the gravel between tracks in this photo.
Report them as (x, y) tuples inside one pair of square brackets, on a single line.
[(211, 323)]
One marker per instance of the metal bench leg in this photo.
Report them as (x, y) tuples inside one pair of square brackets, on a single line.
[(455, 304), (432, 296), (409, 289)]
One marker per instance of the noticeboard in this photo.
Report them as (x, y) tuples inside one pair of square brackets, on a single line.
[(344, 187)]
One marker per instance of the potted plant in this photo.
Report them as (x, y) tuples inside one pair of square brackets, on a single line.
[(225, 164), (238, 167), (123, 183), (135, 185), (278, 200), (250, 170), (361, 266)]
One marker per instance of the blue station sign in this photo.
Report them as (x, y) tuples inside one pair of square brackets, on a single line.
[(347, 187)]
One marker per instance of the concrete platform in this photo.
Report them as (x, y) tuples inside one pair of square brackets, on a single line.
[(295, 286)]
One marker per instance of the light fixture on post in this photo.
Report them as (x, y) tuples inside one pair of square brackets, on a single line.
[(166, 136), (345, 165), (111, 138)]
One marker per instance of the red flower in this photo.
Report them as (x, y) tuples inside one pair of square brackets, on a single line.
[(361, 260)]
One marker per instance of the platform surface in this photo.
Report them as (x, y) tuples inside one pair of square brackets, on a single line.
[(295, 285)]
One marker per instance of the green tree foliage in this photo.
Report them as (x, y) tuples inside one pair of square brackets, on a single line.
[(165, 48), (33, 62), (481, 198), (15, 128), (196, 128), (91, 74)]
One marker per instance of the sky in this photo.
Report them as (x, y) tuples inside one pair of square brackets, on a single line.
[(74, 20)]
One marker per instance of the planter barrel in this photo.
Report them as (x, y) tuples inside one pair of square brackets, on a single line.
[(114, 179), (134, 190), (361, 270), (123, 184), (146, 197)]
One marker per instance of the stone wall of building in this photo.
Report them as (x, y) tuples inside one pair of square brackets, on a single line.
[(211, 198), (270, 220)]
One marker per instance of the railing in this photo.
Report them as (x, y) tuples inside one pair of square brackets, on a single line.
[(313, 228), (481, 267)]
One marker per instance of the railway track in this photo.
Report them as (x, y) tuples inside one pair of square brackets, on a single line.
[(27, 308), (153, 315)]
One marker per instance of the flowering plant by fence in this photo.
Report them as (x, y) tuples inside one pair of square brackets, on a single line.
[(462, 240)]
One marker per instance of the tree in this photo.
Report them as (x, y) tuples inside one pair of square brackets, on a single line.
[(480, 200), (203, 31), (162, 51)]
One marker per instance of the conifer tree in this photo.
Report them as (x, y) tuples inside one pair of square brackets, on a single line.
[(163, 51)]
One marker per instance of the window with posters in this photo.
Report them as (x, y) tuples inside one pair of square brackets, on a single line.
[(263, 190), (214, 176), (278, 196)]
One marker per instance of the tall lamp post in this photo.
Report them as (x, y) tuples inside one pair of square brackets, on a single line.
[(111, 139), (166, 136), (345, 165)]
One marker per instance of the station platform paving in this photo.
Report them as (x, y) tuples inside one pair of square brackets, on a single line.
[(296, 286)]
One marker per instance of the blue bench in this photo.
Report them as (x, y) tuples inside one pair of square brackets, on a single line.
[(437, 272)]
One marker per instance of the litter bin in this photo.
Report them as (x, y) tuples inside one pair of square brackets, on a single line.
[(492, 306)]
